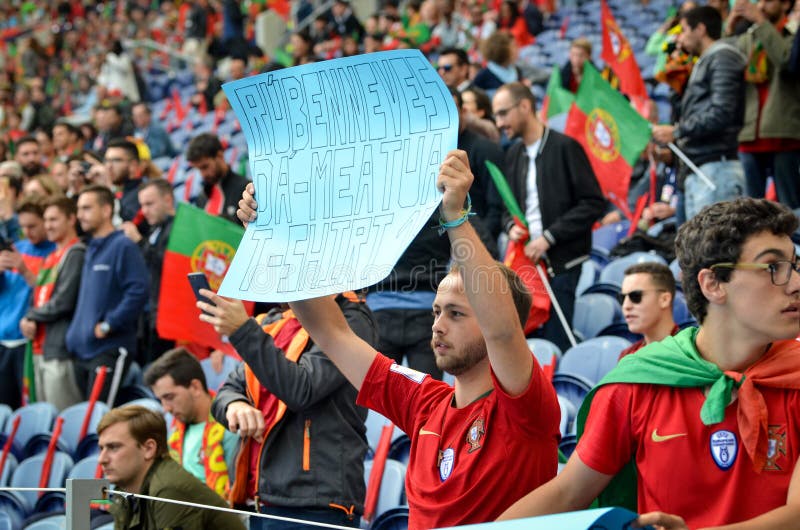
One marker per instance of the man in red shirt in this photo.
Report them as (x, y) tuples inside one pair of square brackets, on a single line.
[(709, 416), (500, 420), (647, 296)]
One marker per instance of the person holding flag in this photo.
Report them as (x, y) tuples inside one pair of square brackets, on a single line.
[(554, 183)]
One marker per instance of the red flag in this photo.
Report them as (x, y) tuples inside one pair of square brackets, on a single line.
[(562, 33), (517, 261), (618, 55)]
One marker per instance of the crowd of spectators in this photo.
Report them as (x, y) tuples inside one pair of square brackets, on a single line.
[(85, 213)]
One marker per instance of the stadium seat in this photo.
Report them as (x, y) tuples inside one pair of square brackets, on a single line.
[(150, 403), (619, 329), (544, 350), (8, 469), (606, 237), (594, 358), (615, 271), (215, 380), (568, 413), (9, 521), (593, 312), (567, 444), (85, 468), (572, 387), (133, 376), (400, 450), (29, 470), (590, 271), (73, 422), (374, 424), (392, 485), (53, 522), (393, 519), (127, 394), (676, 271), (36, 418), (680, 311)]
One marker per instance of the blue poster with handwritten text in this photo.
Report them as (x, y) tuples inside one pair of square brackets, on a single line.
[(344, 156)]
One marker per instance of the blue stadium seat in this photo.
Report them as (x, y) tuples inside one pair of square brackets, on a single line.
[(8, 469), (70, 431), (544, 350), (619, 329), (593, 312), (590, 271), (594, 358), (676, 271), (568, 444), (392, 490), (54, 522), (29, 470), (681, 313), (214, 380), (5, 413), (85, 468), (374, 423), (568, 413), (36, 418), (606, 237), (393, 519), (10, 521), (400, 450), (572, 387), (615, 271), (150, 403)]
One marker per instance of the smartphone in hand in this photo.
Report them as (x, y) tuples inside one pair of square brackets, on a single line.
[(198, 280)]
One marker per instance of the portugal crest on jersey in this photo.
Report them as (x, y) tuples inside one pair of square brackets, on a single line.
[(724, 448), (475, 434)]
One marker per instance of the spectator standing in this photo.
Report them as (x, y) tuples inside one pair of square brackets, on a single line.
[(158, 208), (29, 156), (647, 296), (135, 458), (222, 187), (196, 441), (553, 182), (54, 299), (770, 138), (112, 296), (453, 67), (460, 436), (153, 134), (19, 265), (711, 112), (304, 444), (122, 163)]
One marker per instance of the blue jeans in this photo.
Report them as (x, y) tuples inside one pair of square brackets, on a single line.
[(727, 176), (783, 166), (330, 516)]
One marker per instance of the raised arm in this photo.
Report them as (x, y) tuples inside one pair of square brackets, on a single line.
[(484, 283)]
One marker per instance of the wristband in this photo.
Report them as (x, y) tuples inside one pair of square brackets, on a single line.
[(466, 213)]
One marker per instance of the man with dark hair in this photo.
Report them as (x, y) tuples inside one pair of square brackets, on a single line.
[(122, 163), (112, 295), (29, 156), (158, 208), (711, 113), (556, 187), (502, 404), (110, 125), (67, 140), (19, 265), (453, 67), (54, 299), (711, 409), (769, 142), (153, 134), (221, 186), (178, 381), (135, 457), (647, 296)]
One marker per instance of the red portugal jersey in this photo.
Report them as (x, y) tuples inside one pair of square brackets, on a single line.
[(699, 472), (467, 465)]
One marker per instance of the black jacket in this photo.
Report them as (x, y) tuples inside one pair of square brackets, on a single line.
[(486, 201), (318, 395), (570, 199), (232, 185), (712, 107)]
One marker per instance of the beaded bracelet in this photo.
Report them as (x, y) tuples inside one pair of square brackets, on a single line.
[(466, 213)]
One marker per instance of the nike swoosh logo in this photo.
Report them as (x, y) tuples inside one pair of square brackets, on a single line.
[(423, 432), (658, 438)]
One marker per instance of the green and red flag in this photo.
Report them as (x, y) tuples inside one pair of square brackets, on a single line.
[(557, 102), (611, 132), (28, 377), (618, 55), (199, 242)]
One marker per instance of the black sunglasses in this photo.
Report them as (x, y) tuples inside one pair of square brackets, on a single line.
[(445, 67), (635, 296)]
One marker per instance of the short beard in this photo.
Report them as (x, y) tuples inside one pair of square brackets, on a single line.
[(471, 355)]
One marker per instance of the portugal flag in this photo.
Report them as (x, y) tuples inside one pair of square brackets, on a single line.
[(619, 57), (199, 242), (557, 102), (611, 132)]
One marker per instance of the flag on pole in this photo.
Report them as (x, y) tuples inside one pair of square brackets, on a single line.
[(28, 376), (199, 242), (557, 102), (618, 55), (516, 259), (611, 132)]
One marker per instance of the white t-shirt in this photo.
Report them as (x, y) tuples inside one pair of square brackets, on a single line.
[(533, 213)]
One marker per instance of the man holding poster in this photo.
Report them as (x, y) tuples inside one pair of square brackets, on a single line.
[(502, 415)]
